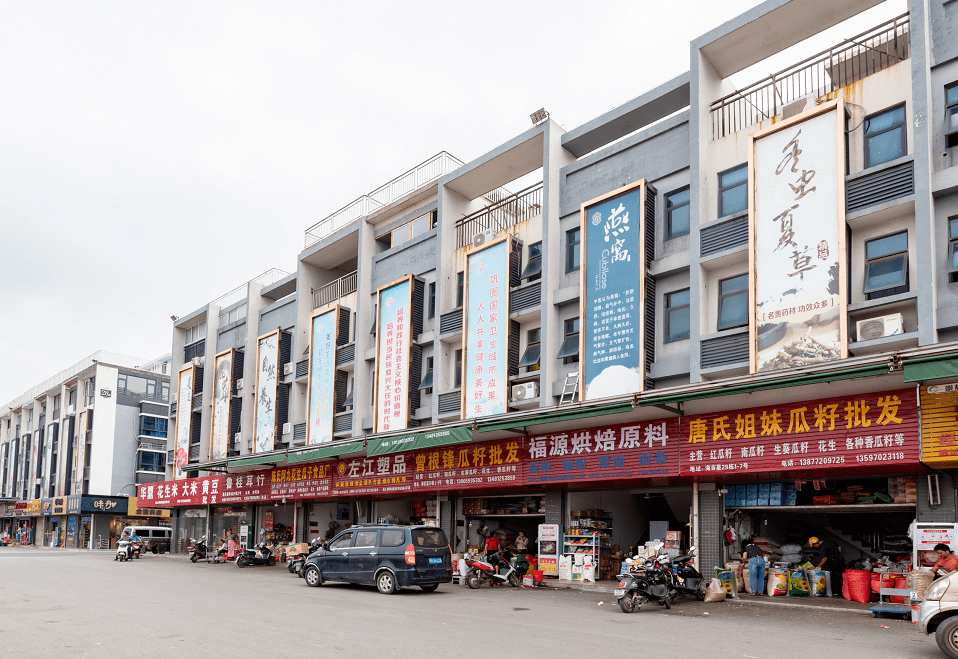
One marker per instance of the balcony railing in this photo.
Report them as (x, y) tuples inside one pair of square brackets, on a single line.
[(419, 176), (850, 61), (335, 290), (512, 210)]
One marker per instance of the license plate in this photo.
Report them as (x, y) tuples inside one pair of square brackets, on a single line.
[(436, 560), (619, 592)]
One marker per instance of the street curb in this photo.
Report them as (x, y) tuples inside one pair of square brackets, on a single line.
[(802, 607)]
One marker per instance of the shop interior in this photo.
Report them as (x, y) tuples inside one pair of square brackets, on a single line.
[(190, 524), (505, 515)]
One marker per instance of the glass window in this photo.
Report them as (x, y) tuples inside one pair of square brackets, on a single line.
[(151, 426), (530, 358), (886, 266), (343, 541), (366, 538), (426, 385), (951, 114), (165, 392), (151, 389), (733, 191), (56, 404), (429, 538), (533, 269), (458, 369), (677, 315), (432, 299), (885, 136), (460, 288), (733, 302), (196, 333), (572, 240), (678, 213), (151, 461), (569, 351), (953, 248), (392, 538)]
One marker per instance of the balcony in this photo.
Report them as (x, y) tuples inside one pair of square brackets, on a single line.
[(335, 290), (419, 176), (511, 210), (850, 61)]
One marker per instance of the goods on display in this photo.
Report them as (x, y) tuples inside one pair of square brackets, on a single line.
[(797, 583), (819, 582), (727, 578), (777, 582), (739, 574)]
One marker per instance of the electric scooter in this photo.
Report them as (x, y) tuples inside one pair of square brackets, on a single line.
[(261, 554), (488, 571)]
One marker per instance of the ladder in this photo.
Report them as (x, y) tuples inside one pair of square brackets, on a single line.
[(569, 388)]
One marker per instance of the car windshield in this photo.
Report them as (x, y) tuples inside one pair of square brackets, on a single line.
[(429, 538)]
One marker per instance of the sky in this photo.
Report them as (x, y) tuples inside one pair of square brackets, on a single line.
[(156, 155)]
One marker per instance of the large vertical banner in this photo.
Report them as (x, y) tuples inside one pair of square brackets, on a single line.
[(79, 454), (321, 393), (797, 225), (267, 365), (485, 343), (222, 400), (34, 462), (393, 347), (50, 438), (184, 420), (611, 349)]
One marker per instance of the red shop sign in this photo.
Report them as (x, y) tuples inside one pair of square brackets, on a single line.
[(469, 466), (878, 429), (384, 474), (182, 492)]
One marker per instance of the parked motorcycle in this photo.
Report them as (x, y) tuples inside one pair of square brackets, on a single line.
[(260, 554), (497, 569), (646, 580), (198, 549), (295, 562), (685, 578)]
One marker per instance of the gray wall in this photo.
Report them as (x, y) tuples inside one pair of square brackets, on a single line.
[(281, 313)]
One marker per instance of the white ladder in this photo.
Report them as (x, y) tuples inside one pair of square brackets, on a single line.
[(569, 388)]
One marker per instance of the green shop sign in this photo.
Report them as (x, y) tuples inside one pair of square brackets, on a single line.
[(419, 440)]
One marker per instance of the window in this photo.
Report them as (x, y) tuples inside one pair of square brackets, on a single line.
[(392, 538), (458, 369), (951, 115), (233, 316), (165, 392), (432, 300), (133, 385), (953, 249), (375, 319), (56, 406), (151, 461), (733, 302), (572, 240), (733, 191), (426, 385), (195, 333), (533, 269), (569, 351), (678, 213), (366, 538), (886, 266), (151, 390), (677, 315), (530, 358), (343, 541), (72, 397), (151, 426), (885, 136), (460, 288), (429, 538)]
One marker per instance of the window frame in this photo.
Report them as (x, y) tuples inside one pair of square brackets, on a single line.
[(904, 134), (724, 296), (669, 234), (457, 368), (564, 355), (952, 247), (432, 300), (426, 384), (668, 314), (722, 190), (951, 136), (870, 294), (460, 289), (573, 249), (533, 350), (160, 459), (533, 270)]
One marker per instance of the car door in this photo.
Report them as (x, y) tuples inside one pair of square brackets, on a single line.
[(364, 556), (334, 562)]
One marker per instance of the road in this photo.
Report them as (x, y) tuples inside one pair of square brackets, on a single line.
[(83, 604)]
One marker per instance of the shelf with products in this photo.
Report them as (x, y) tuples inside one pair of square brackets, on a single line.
[(589, 534)]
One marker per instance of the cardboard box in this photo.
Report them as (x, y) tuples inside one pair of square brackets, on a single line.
[(299, 548), (751, 496), (763, 491)]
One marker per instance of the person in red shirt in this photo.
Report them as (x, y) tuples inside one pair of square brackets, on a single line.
[(947, 562), (492, 544)]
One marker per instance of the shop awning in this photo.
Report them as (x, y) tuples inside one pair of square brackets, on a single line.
[(922, 369), (556, 417), (324, 452), (275, 458), (419, 440)]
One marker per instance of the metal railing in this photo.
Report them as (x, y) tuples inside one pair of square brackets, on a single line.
[(335, 290), (503, 214), (440, 164), (850, 61), (241, 292)]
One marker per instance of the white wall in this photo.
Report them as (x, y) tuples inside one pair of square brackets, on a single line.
[(104, 432)]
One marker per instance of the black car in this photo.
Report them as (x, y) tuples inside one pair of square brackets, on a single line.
[(387, 555)]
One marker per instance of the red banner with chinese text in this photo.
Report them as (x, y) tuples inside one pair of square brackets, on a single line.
[(384, 474), (470, 466)]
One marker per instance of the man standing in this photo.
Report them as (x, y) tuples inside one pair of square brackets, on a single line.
[(831, 560)]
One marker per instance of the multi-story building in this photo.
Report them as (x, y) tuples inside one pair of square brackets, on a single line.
[(74, 447), (707, 287)]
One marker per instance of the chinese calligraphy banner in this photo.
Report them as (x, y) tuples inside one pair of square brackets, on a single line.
[(51, 437), (798, 248), (222, 400), (485, 465), (79, 454), (393, 348), (184, 419), (386, 474), (612, 356), (322, 377), (939, 426), (34, 461), (267, 365), (486, 339), (875, 430)]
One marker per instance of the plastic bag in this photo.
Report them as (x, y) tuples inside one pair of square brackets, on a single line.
[(791, 549), (715, 592), (727, 579), (777, 582), (797, 583)]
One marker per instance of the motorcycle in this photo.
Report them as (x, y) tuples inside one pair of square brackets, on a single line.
[(686, 580), (295, 562), (480, 571), (198, 549), (646, 580), (261, 554), (128, 549), (137, 548)]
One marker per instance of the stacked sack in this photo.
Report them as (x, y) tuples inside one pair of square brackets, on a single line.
[(737, 570), (773, 553), (791, 554)]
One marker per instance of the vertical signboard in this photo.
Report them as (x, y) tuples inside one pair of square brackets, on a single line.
[(797, 227), (48, 457), (222, 400), (79, 455), (393, 347), (321, 392), (485, 343), (939, 426), (184, 420), (34, 461), (612, 283), (267, 365)]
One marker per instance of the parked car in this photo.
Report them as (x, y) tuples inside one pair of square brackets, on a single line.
[(938, 614), (387, 555)]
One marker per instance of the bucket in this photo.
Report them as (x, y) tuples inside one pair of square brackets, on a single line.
[(527, 581), (537, 576)]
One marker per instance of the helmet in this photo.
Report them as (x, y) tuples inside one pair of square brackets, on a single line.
[(812, 540)]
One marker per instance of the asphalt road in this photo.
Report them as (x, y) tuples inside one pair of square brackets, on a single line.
[(83, 604)]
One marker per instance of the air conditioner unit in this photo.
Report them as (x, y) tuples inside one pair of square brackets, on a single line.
[(879, 326), (170, 457), (173, 398), (287, 428), (238, 438), (525, 391), (481, 239), (288, 369), (198, 361), (239, 384)]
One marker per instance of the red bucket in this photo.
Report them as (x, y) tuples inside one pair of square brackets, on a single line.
[(537, 576)]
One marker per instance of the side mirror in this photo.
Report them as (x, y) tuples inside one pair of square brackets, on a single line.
[(691, 550)]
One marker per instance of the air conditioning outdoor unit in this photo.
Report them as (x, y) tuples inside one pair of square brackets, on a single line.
[(879, 326), (199, 361), (238, 438), (288, 369), (481, 239), (287, 428), (525, 391), (170, 459), (239, 384)]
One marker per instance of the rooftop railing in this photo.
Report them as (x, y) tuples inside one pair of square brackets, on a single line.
[(241, 292), (503, 214), (335, 290), (850, 61)]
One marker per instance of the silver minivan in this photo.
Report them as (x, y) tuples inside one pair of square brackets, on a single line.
[(938, 614), (155, 539)]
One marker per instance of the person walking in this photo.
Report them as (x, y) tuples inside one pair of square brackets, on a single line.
[(756, 567)]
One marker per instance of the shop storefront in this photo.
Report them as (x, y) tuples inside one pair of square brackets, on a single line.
[(54, 523)]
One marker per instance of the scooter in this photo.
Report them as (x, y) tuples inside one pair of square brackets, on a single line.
[(645, 581), (480, 571), (295, 562), (685, 578), (261, 554), (137, 548), (198, 549), (123, 549)]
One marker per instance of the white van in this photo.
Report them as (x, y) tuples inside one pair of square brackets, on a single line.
[(155, 538)]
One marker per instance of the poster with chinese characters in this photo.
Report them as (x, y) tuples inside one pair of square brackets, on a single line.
[(876, 430), (52, 429), (267, 377), (463, 467), (79, 454), (34, 460), (798, 241), (485, 378), (184, 420), (612, 284), (640, 450), (939, 426), (322, 377), (222, 400), (385, 474), (393, 342)]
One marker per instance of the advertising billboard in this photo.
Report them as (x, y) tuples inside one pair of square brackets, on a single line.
[(267, 377), (393, 348), (939, 426), (222, 400), (79, 454), (184, 419), (322, 376)]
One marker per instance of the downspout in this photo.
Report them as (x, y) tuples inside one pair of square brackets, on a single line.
[(695, 524)]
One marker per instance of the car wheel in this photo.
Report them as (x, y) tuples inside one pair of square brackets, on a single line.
[(386, 582), (162, 550), (514, 580), (473, 580), (312, 576), (627, 603), (154, 549), (947, 637), (430, 587)]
